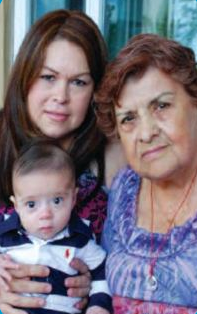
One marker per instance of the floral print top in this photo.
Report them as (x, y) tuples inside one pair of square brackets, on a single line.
[(129, 259)]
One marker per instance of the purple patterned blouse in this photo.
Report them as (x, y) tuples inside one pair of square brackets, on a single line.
[(91, 203), (129, 257)]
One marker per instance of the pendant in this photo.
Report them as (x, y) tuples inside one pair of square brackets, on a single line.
[(151, 282)]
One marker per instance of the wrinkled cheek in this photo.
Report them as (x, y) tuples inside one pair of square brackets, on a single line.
[(127, 144), (130, 156)]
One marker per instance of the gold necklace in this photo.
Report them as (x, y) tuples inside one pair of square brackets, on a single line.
[(151, 279)]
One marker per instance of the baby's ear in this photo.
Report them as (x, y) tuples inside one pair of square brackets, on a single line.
[(13, 200), (75, 196)]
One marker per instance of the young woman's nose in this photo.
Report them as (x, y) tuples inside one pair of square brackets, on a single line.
[(61, 92), (148, 129)]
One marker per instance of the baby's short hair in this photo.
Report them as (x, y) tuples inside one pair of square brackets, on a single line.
[(43, 155)]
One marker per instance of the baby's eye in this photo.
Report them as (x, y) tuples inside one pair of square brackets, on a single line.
[(57, 200), (31, 204)]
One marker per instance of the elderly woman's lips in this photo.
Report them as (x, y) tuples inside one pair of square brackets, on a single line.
[(57, 116), (154, 152)]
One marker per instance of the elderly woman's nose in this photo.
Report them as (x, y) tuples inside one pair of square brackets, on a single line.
[(148, 129)]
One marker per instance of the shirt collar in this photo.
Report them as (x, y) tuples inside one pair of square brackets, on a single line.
[(76, 225)]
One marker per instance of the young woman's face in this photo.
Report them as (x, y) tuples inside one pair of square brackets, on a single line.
[(59, 98), (157, 124)]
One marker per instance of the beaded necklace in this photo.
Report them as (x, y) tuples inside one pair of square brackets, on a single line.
[(151, 279)]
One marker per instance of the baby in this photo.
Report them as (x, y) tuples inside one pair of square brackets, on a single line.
[(44, 230)]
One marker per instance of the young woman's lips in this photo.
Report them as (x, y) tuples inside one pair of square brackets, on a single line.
[(57, 116), (153, 153)]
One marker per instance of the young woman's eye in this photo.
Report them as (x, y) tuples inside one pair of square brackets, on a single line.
[(31, 204), (57, 200), (47, 77), (79, 82)]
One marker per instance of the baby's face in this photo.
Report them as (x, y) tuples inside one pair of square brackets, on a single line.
[(44, 201)]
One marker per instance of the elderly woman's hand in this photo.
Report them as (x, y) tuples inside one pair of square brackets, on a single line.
[(21, 283), (79, 286)]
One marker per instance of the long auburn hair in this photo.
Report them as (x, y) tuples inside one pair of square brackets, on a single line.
[(140, 53), (16, 126)]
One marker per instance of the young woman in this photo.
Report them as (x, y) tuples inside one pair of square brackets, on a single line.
[(50, 91)]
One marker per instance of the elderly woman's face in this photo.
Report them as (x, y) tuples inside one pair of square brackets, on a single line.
[(157, 124)]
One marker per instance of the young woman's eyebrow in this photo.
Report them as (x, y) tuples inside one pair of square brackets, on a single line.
[(46, 67)]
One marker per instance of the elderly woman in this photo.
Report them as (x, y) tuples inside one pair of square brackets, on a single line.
[(149, 97)]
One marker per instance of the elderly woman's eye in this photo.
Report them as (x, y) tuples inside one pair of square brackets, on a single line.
[(162, 105), (127, 119)]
